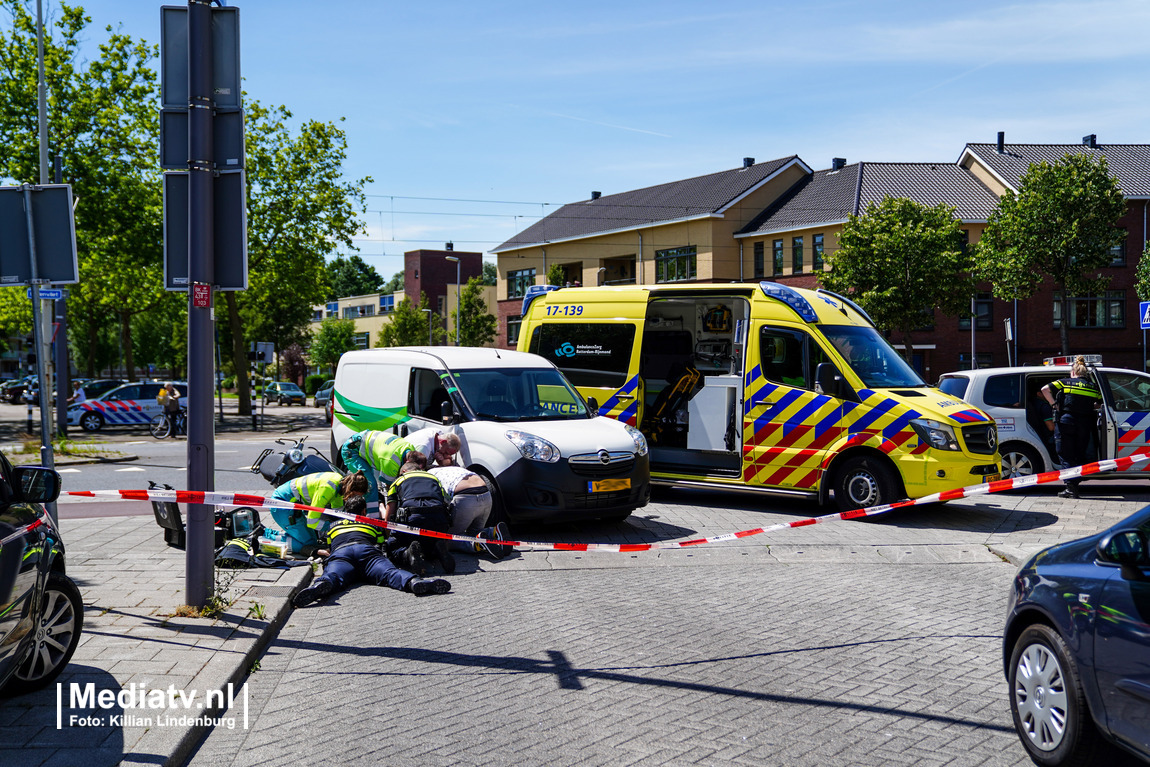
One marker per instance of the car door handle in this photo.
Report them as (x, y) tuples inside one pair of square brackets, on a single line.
[(624, 396)]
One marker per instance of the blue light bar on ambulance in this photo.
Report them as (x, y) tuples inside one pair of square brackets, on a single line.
[(1091, 359), (534, 292), (791, 298)]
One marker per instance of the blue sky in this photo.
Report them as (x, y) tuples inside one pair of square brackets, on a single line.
[(482, 104)]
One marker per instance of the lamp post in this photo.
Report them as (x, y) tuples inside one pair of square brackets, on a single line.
[(429, 340), (457, 306)]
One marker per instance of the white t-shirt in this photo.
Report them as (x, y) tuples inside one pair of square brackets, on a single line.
[(450, 476), (424, 441), (79, 396)]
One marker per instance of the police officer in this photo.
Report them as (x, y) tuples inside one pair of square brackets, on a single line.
[(417, 498), (1075, 400), (325, 489), (355, 556)]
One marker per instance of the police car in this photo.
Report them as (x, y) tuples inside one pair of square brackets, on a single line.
[(133, 404), (1010, 396)]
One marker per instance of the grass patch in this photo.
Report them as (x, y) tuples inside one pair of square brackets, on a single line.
[(86, 448)]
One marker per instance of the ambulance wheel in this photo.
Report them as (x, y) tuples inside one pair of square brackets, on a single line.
[(91, 421), (1019, 460), (58, 635), (862, 482)]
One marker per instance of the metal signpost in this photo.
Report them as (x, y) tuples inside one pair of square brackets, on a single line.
[(204, 224)]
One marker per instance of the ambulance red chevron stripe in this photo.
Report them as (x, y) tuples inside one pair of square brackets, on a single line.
[(259, 501)]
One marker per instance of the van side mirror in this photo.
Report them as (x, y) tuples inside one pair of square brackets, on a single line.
[(592, 407), (829, 381), (447, 413)]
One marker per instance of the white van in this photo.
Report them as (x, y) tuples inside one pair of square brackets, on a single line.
[(545, 453)]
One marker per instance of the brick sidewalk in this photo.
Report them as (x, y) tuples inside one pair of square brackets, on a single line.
[(132, 583)]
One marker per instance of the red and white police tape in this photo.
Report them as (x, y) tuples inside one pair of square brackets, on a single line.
[(259, 501)]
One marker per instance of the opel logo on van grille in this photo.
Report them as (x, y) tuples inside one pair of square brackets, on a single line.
[(604, 457)]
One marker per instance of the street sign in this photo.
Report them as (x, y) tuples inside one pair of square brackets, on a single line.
[(201, 295), (226, 86), (48, 294), (227, 139), (55, 231), (1144, 313), (231, 226)]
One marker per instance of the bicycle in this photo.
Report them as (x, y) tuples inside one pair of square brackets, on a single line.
[(162, 425)]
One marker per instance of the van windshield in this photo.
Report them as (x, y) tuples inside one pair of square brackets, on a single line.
[(871, 357), (520, 394)]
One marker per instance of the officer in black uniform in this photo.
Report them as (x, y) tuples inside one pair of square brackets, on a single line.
[(1075, 401), (355, 556), (418, 499)]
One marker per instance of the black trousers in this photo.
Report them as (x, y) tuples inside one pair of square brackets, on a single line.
[(1071, 439)]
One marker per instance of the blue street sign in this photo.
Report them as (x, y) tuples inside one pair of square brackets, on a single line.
[(1144, 313), (48, 293)]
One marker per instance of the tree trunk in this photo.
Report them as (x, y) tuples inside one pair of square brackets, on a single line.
[(239, 358), (908, 355), (126, 343), (93, 336)]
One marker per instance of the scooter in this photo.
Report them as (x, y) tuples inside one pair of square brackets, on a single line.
[(278, 467)]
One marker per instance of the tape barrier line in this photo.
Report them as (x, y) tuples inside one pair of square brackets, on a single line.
[(259, 501), (22, 531)]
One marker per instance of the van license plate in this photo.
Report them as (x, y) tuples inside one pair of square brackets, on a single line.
[(609, 485), (990, 478)]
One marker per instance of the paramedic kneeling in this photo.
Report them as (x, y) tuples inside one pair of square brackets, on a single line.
[(326, 490), (355, 557)]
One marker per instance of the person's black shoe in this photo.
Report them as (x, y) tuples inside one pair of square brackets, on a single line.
[(499, 533), (1069, 493), (319, 589), (423, 587), (444, 556), (413, 558)]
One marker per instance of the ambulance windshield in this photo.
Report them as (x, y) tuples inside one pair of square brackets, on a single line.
[(871, 357), (520, 394)]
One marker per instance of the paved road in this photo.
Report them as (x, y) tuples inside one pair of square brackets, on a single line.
[(841, 644)]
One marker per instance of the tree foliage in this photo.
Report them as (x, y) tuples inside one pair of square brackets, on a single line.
[(352, 276), (103, 121), (334, 337), (1061, 225), (1142, 276), (478, 327), (409, 325), (490, 274), (897, 260)]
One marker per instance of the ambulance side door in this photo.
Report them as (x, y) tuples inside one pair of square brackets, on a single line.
[(1126, 414), (787, 426)]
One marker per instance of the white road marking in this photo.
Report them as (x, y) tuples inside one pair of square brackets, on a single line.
[(133, 468), (68, 471)]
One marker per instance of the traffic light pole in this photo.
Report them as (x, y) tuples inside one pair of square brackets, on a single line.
[(199, 581)]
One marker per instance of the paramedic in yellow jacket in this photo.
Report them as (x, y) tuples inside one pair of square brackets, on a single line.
[(325, 489), (380, 454)]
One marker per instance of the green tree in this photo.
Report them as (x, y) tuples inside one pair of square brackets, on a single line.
[(352, 277), (556, 274), (394, 285), (478, 327), (1061, 225), (1142, 276), (897, 260), (334, 337), (300, 209), (161, 335), (409, 325), (103, 121), (490, 274)]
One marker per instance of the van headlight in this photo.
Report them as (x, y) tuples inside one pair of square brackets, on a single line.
[(533, 448), (938, 435), (637, 436)]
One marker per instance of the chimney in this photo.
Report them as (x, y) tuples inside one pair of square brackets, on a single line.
[(596, 195), (838, 163), (1001, 142), (1091, 140), (748, 162), (449, 246)]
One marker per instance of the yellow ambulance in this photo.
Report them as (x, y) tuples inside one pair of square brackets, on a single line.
[(761, 387)]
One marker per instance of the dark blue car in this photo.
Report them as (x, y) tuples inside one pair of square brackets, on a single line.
[(1077, 648)]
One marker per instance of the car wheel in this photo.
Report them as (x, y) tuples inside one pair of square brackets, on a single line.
[(498, 510), (91, 421), (1047, 702), (57, 635), (1019, 460), (862, 482)]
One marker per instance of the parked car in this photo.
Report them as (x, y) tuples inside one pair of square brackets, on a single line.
[(329, 410), (13, 391), (43, 611), (1076, 648), (128, 405), (284, 393), (323, 394), (1008, 395), (100, 386)]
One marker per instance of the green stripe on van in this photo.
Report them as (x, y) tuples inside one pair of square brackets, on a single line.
[(359, 417)]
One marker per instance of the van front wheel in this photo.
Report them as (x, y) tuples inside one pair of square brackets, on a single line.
[(863, 482)]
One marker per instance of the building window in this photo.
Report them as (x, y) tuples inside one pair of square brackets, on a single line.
[(620, 271), (317, 315), (513, 325), (1106, 311), (675, 264), (354, 312), (760, 267), (797, 255), (333, 309), (983, 313), (387, 304), (362, 340), (984, 359), (777, 255), (1118, 252), (817, 253), (518, 281)]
